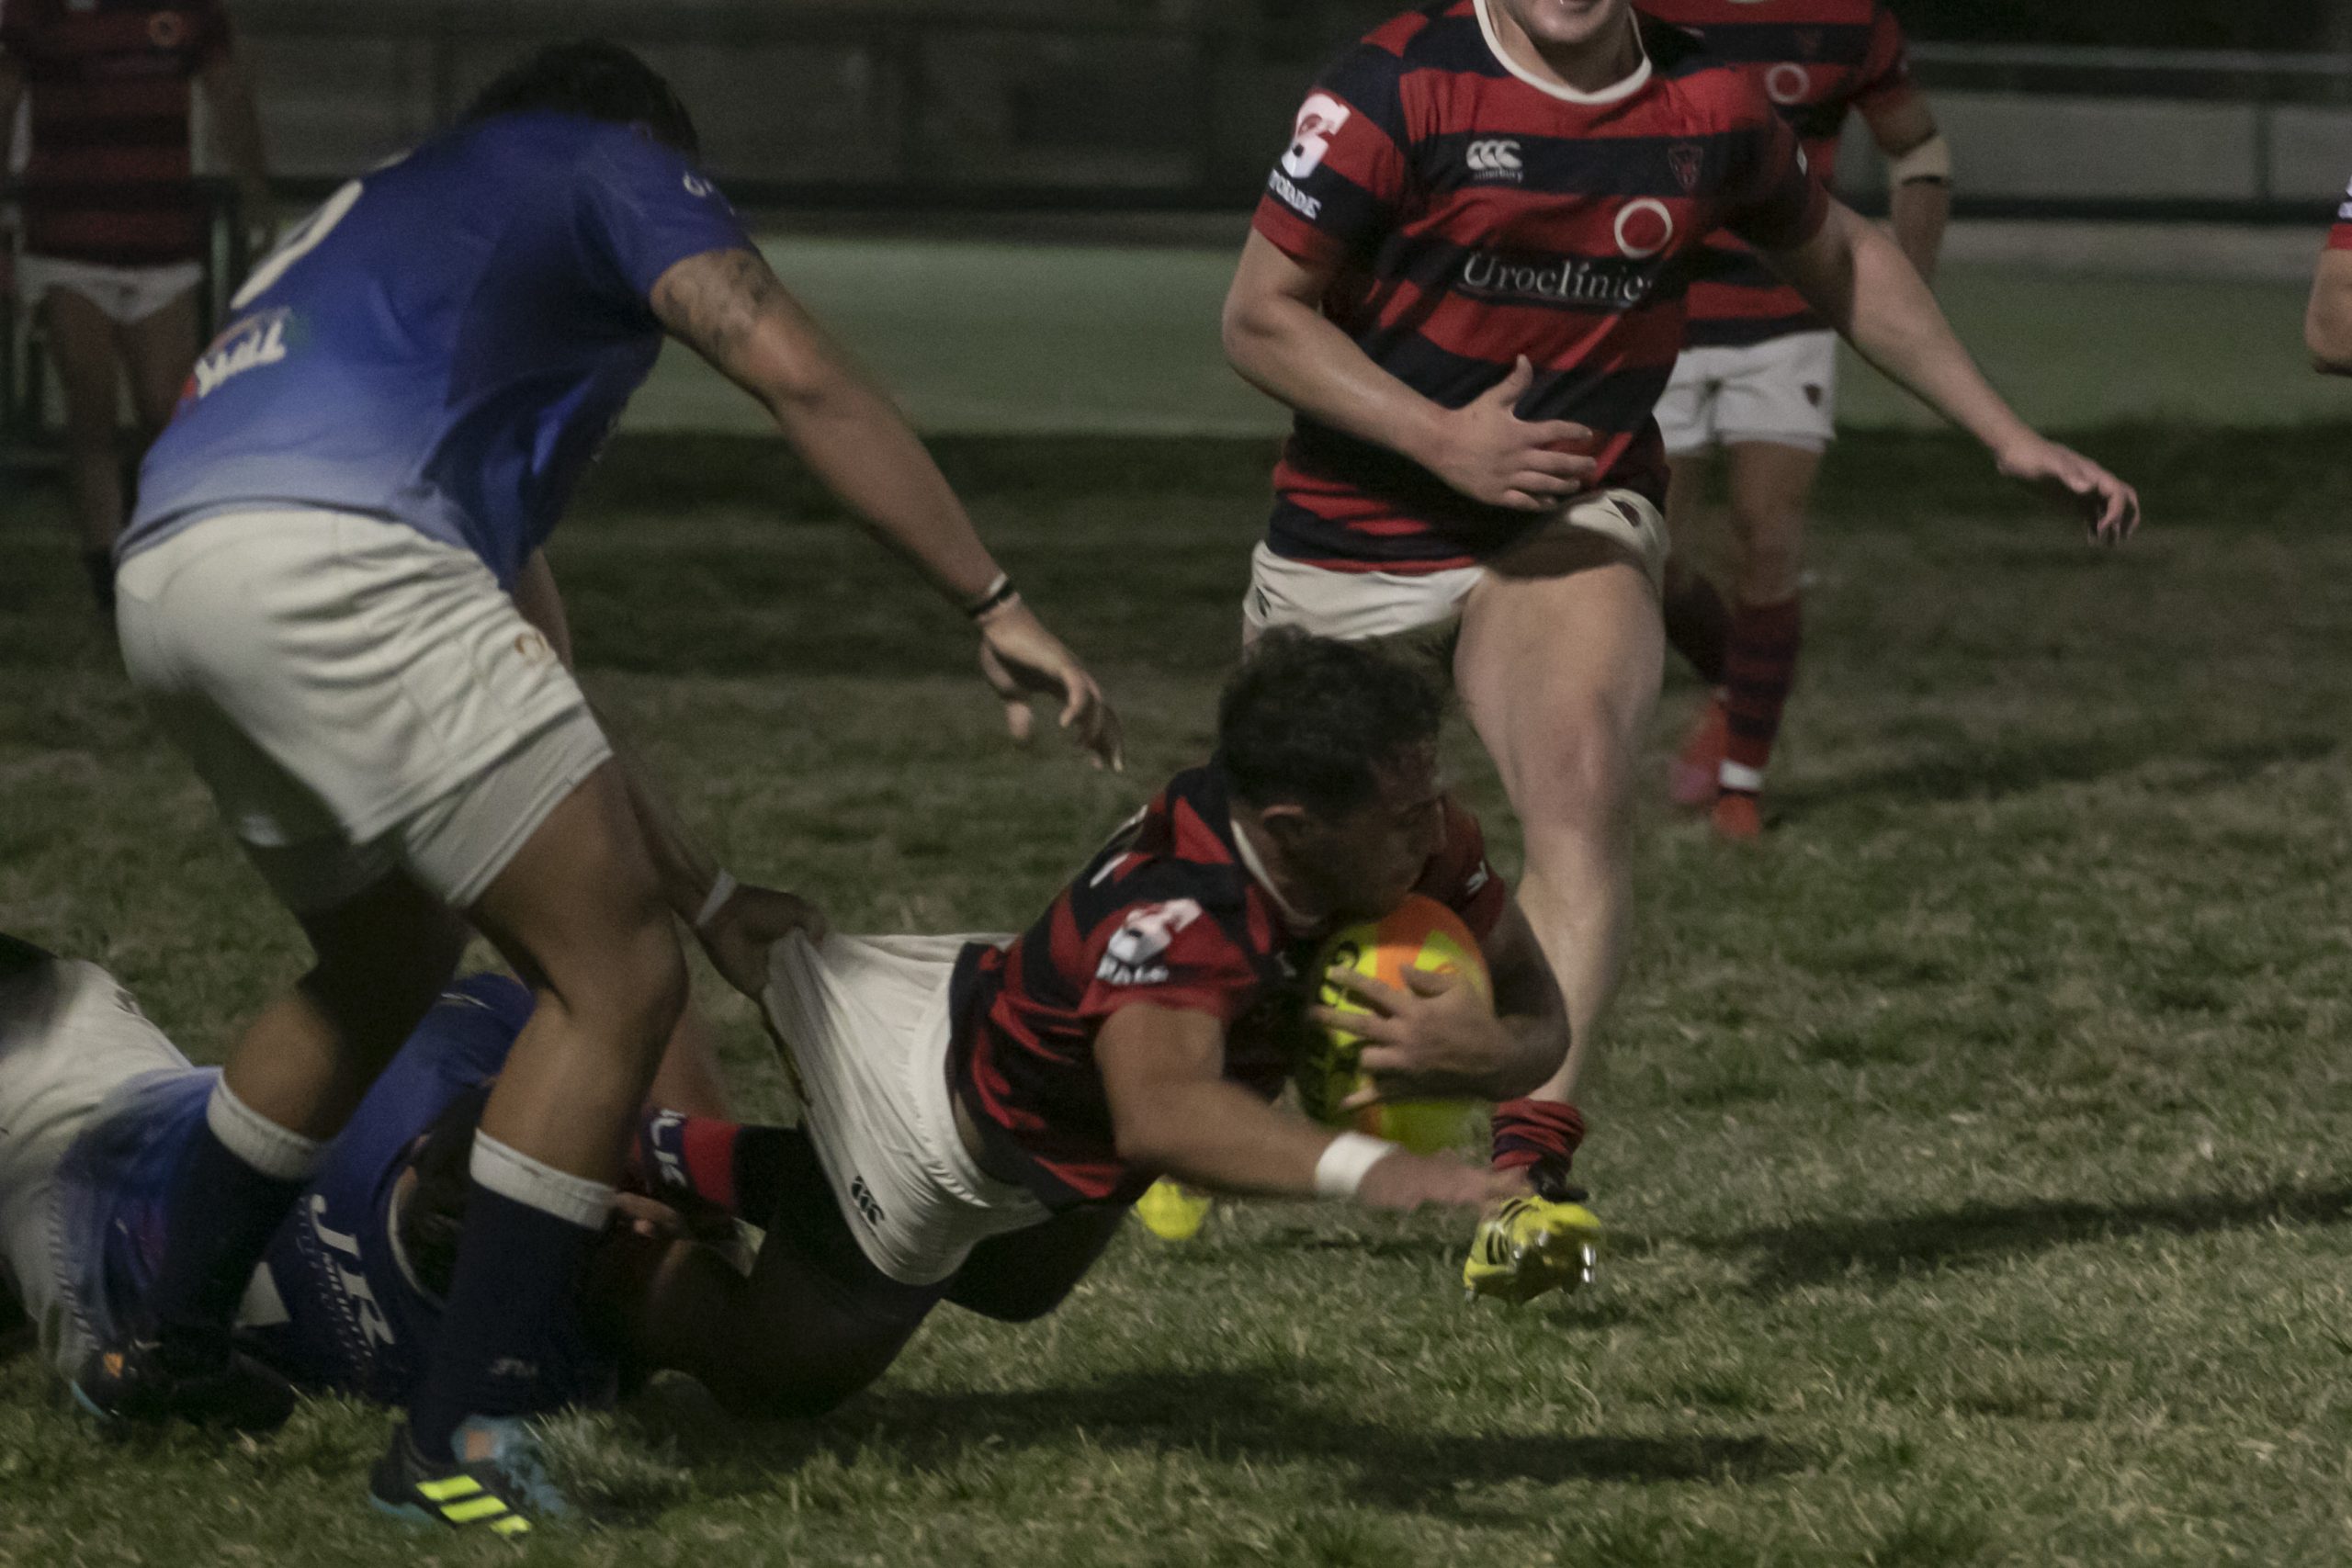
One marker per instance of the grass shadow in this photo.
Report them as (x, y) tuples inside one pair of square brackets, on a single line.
[(1818, 1251), (1254, 1414), (2037, 761)]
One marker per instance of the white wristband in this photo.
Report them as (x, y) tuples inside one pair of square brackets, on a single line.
[(715, 900), (1345, 1159)]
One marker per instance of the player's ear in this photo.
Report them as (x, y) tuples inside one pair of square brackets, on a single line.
[(1288, 825)]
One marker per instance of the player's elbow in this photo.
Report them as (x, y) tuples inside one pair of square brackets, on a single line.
[(1251, 329), (1543, 1050), (2328, 335)]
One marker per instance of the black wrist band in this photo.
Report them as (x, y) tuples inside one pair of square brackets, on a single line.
[(1001, 594)]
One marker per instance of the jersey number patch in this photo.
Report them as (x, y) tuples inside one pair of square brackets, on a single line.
[(1319, 120)]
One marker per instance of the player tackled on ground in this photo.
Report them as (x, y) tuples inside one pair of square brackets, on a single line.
[(1468, 276), (1758, 377), (980, 1112), (334, 600)]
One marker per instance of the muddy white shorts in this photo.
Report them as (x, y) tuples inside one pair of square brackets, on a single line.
[(125, 295), (865, 1024), (1419, 614), (70, 1037), (1782, 392), (358, 698)]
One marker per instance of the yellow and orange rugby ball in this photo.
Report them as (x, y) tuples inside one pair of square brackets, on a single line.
[(1420, 933)]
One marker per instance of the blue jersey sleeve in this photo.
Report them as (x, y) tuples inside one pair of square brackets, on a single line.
[(643, 208)]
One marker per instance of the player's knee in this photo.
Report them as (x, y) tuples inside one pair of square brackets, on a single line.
[(1586, 779), (629, 989), (1771, 542)]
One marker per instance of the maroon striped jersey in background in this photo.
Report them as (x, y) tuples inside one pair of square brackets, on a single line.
[(1816, 59), (108, 84)]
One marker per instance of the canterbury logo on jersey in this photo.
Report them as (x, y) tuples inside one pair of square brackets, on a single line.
[(1497, 159)]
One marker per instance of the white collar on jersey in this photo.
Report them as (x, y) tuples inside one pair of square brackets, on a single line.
[(1614, 93), (1291, 914)]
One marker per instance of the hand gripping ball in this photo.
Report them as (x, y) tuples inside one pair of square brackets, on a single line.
[(1420, 933)]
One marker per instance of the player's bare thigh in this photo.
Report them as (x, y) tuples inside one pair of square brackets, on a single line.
[(1772, 488), (1561, 653), (158, 350), (81, 346)]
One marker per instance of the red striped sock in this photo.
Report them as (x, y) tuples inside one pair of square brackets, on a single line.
[(1759, 667), (726, 1164)]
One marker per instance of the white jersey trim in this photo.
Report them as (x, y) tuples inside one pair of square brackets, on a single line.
[(1614, 92)]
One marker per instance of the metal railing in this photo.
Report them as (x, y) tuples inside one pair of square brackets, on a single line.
[(960, 108)]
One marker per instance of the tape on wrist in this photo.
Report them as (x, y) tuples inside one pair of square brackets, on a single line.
[(1345, 1160), (1931, 160), (721, 890)]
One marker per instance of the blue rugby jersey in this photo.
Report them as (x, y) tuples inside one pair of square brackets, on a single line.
[(445, 343), (338, 1308)]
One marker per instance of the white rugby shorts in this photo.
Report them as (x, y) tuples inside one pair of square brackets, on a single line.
[(865, 1025), (70, 1037), (1782, 392), (1419, 613), (358, 698), (125, 295)]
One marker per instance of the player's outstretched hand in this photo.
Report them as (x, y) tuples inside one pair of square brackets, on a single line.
[(1436, 1040), (752, 920), (1485, 451), (1405, 1181), (2108, 507), (1020, 658)]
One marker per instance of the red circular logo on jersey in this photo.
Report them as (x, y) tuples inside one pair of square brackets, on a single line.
[(1787, 84), (167, 29), (1645, 228)]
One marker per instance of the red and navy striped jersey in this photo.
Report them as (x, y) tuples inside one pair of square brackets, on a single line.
[(107, 179), (1473, 215), (1169, 915), (1816, 60)]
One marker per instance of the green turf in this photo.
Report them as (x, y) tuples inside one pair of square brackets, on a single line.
[(999, 338), (1975, 1147)]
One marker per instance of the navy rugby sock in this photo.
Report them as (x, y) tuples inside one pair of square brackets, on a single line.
[(527, 1233), (240, 1176)]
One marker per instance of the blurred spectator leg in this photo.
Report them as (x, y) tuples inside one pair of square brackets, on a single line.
[(81, 344), (158, 350)]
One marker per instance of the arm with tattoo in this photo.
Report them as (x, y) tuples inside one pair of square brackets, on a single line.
[(728, 307)]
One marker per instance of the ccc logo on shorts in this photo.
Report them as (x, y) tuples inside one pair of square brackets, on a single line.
[(1496, 158)]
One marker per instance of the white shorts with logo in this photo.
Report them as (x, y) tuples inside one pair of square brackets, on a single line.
[(70, 1037), (358, 697), (125, 295), (1782, 392), (1419, 614), (865, 1025)]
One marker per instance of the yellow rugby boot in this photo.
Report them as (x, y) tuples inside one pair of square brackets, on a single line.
[(1173, 1212), (1525, 1246)]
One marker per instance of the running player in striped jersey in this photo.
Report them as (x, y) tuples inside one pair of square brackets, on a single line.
[(2327, 323), (113, 231), (1468, 275), (1758, 374)]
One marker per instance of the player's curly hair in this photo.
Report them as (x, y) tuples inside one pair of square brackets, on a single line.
[(435, 1214), (597, 78), (1311, 721)]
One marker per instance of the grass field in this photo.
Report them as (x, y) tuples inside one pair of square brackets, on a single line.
[(1975, 1147), (996, 337)]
